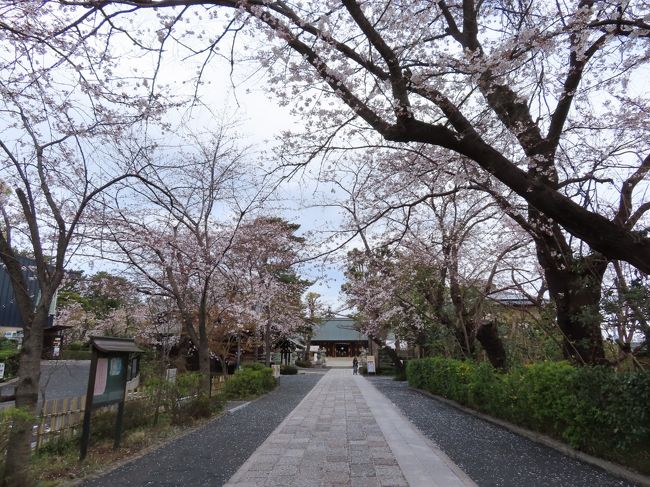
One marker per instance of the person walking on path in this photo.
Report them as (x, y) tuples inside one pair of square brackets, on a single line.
[(355, 366)]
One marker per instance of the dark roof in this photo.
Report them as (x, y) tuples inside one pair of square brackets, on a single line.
[(338, 330), (511, 298), (112, 344)]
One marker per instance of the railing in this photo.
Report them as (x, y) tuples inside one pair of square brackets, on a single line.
[(218, 381)]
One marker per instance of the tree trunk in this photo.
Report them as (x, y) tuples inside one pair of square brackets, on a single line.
[(575, 285), (307, 356), (19, 449), (204, 358), (422, 344), (267, 343), (464, 328), (488, 336), (204, 366), (579, 320)]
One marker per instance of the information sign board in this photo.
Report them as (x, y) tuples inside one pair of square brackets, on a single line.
[(110, 380), (371, 365)]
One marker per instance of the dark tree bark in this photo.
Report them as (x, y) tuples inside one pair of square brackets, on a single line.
[(576, 292), (16, 469), (267, 340), (488, 336), (574, 284)]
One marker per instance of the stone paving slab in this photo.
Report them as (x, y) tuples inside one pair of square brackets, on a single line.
[(333, 438)]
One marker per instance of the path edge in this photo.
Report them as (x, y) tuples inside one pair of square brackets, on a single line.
[(463, 477), (609, 467)]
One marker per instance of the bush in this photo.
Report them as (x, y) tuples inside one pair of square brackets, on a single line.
[(8, 418), (303, 363), (249, 381), (288, 370), (77, 346), (591, 408), (10, 355), (76, 355), (182, 400), (137, 413), (254, 366)]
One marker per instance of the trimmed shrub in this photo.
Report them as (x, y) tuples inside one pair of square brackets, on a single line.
[(303, 363), (77, 346), (249, 381), (288, 370), (76, 355), (590, 408)]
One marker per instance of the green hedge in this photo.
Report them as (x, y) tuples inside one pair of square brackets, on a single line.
[(288, 370), (9, 355), (594, 409), (76, 355), (249, 381)]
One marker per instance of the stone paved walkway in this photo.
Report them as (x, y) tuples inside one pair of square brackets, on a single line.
[(333, 438)]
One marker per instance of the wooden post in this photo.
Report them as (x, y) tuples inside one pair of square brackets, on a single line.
[(85, 433), (118, 425)]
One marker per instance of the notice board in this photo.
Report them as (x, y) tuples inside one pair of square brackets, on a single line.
[(371, 365)]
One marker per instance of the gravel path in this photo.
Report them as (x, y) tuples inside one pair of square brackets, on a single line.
[(489, 454), (211, 455)]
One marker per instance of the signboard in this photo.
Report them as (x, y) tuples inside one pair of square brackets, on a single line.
[(110, 380), (109, 367), (170, 375), (2, 370), (56, 347), (371, 365)]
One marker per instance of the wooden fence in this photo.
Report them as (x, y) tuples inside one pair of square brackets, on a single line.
[(59, 419), (63, 418), (218, 382)]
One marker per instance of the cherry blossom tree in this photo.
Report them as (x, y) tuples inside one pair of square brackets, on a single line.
[(60, 118), (543, 97), (175, 229), (99, 304)]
